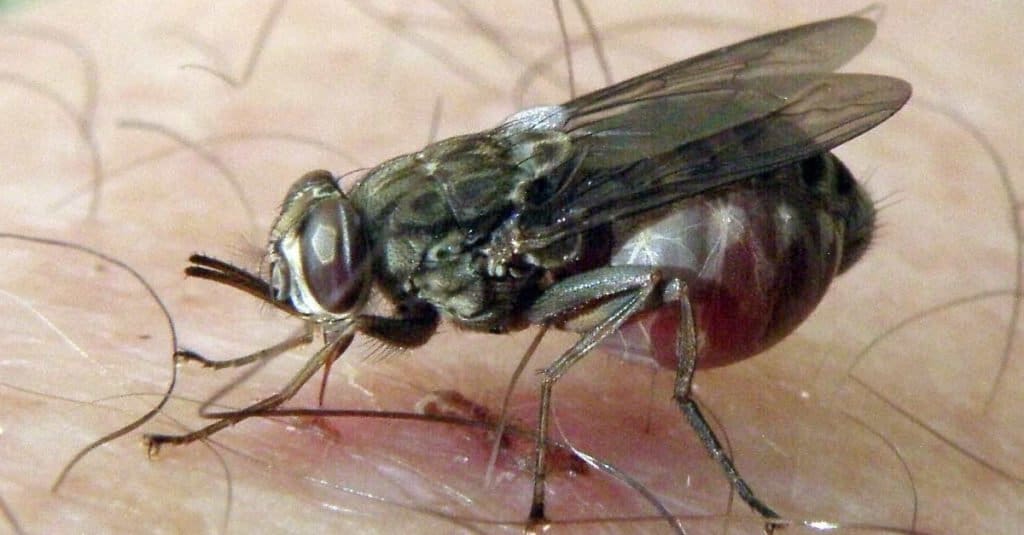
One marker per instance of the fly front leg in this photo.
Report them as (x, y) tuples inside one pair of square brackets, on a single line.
[(413, 326), (328, 353), (595, 303), (298, 340), (261, 357)]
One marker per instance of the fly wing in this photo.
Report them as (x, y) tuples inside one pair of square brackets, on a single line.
[(821, 46), (697, 97), (828, 112), (711, 120)]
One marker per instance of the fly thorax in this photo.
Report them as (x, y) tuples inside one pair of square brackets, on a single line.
[(455, 286), (538, 156), (318, 252)]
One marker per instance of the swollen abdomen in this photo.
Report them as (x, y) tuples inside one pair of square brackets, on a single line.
[(756, 260)]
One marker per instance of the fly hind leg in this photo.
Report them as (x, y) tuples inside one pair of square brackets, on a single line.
[(686, 351), (596, 304)]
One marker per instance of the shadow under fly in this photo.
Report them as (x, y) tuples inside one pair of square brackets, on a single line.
[(692, 214)]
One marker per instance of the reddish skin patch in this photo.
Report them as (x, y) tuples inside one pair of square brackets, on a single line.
[(517, 445)]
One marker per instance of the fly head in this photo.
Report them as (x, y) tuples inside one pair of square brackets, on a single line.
[(318, 251)]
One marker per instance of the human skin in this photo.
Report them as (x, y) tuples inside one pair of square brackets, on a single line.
[(820, 430)]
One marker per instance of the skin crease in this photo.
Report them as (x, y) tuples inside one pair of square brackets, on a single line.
[(819, 432)]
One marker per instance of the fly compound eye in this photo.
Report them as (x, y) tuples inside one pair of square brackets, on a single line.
[(332, 254), (317, 249)]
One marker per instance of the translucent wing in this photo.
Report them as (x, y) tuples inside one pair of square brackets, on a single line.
[(696, 97), (714, 90), (711, 120)]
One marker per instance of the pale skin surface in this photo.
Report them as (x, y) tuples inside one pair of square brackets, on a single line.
[(809, 435)]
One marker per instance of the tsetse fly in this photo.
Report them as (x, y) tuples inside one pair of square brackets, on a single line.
[(697, 204)]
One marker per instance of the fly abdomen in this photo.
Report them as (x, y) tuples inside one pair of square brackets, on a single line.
[(756, 258)]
